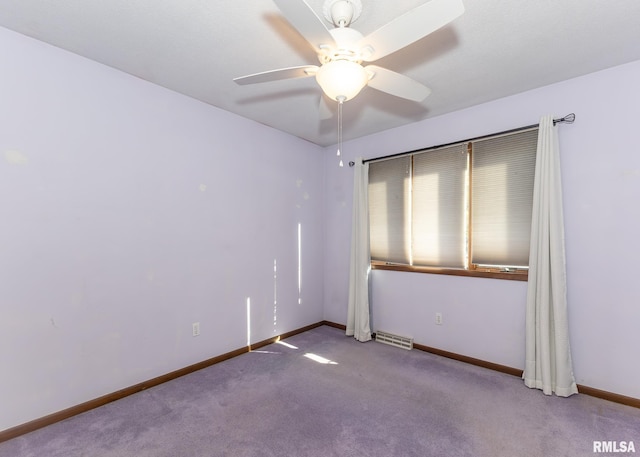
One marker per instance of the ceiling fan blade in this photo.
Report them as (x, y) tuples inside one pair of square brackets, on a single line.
[(275, 75), (410, 27), (306, 21), (396, 84)]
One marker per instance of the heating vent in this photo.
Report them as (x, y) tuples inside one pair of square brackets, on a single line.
[(394, 340)]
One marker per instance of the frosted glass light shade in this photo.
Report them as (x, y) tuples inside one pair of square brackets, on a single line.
[(341, 79)]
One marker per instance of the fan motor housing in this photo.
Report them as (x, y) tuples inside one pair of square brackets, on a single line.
[(346, 46), (341, 13)]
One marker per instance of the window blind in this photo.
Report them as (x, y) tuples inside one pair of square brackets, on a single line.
[(439, 207), (390, 210), (502, 171), (457, 206)]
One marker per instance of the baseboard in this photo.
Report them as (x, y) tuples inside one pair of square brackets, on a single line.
[(334, 325), (50, 419), (33, 425), (586, 390), (610, 396), (471, 360)]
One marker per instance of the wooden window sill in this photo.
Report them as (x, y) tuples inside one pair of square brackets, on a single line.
[(518, 275)]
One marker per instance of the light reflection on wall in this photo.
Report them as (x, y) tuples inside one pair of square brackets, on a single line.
[(249, 322), (299, 263), (275, 295)]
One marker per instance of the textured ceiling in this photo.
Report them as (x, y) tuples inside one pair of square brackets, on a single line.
[(196, 47)]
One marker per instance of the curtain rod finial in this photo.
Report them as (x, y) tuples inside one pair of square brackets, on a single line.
[(351, 163), (568, 119)]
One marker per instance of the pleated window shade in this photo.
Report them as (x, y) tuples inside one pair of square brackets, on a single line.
[(390, 210), (459, 206), (502, 196), (439, 207)]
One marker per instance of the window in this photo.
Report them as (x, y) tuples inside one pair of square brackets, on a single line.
[(462, 209)]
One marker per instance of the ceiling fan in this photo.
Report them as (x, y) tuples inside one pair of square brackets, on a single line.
[(342, 50)]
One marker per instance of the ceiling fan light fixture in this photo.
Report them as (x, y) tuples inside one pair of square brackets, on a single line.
[(342, 80)]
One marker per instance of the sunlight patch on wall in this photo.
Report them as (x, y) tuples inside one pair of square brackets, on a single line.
[(16, 158), (275, 295), (299, 263), (249, 321)]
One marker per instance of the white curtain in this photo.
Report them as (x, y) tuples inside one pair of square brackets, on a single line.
[(548, 356), (358, 310)]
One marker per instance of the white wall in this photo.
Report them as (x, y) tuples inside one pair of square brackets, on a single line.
[(484, 318), (116, 235), (129, 212)]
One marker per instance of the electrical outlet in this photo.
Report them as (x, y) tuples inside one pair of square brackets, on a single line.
[(196, 328), (438, 318)]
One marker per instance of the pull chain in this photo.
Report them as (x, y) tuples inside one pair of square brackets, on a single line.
[(339, 153)]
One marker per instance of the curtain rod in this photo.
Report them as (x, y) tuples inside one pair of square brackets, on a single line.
[(568, 119)]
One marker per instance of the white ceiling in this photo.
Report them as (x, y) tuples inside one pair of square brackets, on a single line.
[(196, 47)]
